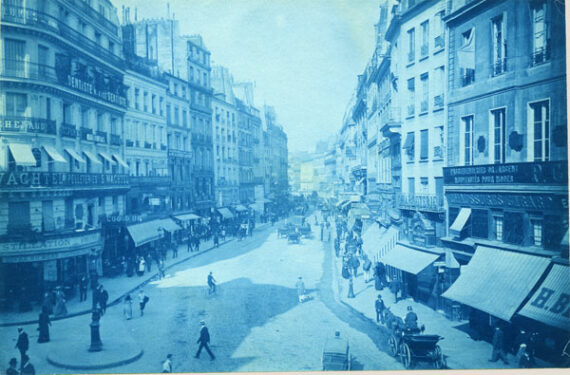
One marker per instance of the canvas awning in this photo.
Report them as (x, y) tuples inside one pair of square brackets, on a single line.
[(120, 161), (75, 155), (543, 305), (408, 260), (188, 217), (497, 281), (226, 213), (371, 240), (22, 154), (240, 208), (460, 221), (92, 157), (169, 225), (145, 232), (54, 154), (107, 157)]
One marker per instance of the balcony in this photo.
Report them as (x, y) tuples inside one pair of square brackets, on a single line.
[(95, 15), (86, 134), (424, 106), (499, 67), (68, 130), (100, 137), (424, 50), (439, 42), (540, 55), (43, 21), (428, 203), (33, 125), (18, 180), (438, 101), (115, 140), (411, 110), (129, 143)]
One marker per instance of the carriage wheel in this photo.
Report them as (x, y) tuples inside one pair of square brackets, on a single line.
[(406, 355), (392, 345), (438, 358)]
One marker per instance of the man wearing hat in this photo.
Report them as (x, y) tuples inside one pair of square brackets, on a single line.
[(204, 340), (379, 306), (411, 319), (23, 344), (300, 285), (12, 370)]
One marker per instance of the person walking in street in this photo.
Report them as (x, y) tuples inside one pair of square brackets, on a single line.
[(300, 285), (83, 284), (47, 303), (60, 307), (354, 264), (498, 346), (160, 266), (27, 367), (167, 364), (197, 243), (204, 340), (148, 261), (379, 307), (350, 288), (128, 307), (23, 344), (43, 328), (141, 266), (143, 300), (13, 369), (211, 283), (103, 299)]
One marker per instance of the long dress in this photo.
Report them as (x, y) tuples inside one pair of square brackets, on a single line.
[(60, 308), (44, 323), (128, 308)]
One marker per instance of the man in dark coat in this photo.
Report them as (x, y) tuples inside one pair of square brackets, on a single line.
[(498, 346), (379, 306), (27, 367), (95, 298), (23, 344), (411, 319), (204, 340), (103, 299), (83, 284), (12, 370)]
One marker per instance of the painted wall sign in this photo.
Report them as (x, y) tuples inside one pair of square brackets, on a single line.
[(527, 201), (14, 179), (51, 244)]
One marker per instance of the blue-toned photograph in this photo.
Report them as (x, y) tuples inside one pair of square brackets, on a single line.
[(206, 186)]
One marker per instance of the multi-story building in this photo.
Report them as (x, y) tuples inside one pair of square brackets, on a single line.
[(62, 149), (506, 183), (277, 158), (225, 132)]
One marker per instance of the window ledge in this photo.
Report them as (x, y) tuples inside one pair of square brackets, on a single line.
[(410, 64), (437, 159), (410, 117), (422, 58), (441, 49), (410, 162), (423, 113), (437, 109), (423, 160)]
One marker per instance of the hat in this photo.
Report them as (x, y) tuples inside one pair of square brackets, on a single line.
[(409, 308), (379, 296), (300, 277), (169, 356), (202, 322), (13, 361), (20, 329)]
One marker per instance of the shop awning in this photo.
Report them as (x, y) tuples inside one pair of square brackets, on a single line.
[(240, 208), (497, 281), (226, 214), (409, 141), (169, 225), (22, 154), (92, 157), (371, 240), (120, 161), (145, 232), (188, 217), (54, 154), (408, 260), (257, 206), (460, 221), (107, 157), (75, 155), (542, 305)]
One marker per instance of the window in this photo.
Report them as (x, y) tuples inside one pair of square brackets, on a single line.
[(205, 79), (425, 39), (98, 38), (411, 187), (438, 143), (184, 119), (411, 45), (409, 146), (160, 106), (479, 223), (540, 32), (168, 114), (111, 47), (176, 116), (191, 74), (411, 96), (137, 96), (466, 57), (498, 131), (43, 60), (145, 101), (424, 144), (536, 232), (16, 104), (425, 93), (499, 46), (467, 140), (513, 224), (439, 24), (18, 216), (153, 103), (540, 130), (15, 49), (498, 228)]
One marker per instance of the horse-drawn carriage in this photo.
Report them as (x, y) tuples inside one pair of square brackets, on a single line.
[(293, 236), (411, 345), (283, 232)]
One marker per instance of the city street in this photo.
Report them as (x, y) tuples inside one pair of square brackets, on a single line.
[(255, 321)]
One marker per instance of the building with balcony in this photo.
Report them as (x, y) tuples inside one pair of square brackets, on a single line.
[(225, 137), (506, 184), (277, 157), (62, 149)]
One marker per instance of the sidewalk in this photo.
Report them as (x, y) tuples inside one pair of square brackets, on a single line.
[(117, 287), (459, 349)]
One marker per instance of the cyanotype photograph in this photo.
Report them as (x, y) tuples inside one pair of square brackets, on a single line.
[(206, 186)]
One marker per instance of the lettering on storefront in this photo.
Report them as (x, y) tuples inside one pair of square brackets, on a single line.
[(36, 179), (53, 244), (556, 305), (530, 201)]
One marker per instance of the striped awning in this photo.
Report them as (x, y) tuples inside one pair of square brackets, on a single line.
[(408, 260), (497, 281), (75, 155), (169, 225), (145, 232), (92, 157), (120, 161), (54, 154), (544, 305), (106, 156), (22, 154)]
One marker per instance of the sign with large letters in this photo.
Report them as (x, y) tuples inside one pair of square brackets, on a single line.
[(16, 179), (506, 200)]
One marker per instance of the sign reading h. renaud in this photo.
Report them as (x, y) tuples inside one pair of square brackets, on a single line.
[(13, 179)]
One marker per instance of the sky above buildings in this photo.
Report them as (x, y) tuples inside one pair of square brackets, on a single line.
[(303, 55)]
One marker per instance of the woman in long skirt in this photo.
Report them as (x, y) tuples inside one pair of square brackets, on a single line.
[(44, 323), (128, 307), (60, 308)]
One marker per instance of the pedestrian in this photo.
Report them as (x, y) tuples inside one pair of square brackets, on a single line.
[(47, 303), (350, 289), (174, 250), (103, 299), (411, 320), (167, 364), (354, 264), (300, 285), (216, 240), (44, 323), (83, 284), (498, 346), (379, 306), (160, 266), (143, 300), (27, 367), (60, 307), (141, 266), (367, 267), (395, 288), (128, 307), (148, 261), (322, 230), (95, 298), (204, 340), (23, 344), (211, 283), (13, 370), (197, 243)]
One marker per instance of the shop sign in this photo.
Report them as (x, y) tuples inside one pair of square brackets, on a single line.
[(43, 256), (527, 201), (552, 300), (51, 244), (15, 179), (124, 219), (50, 270)]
